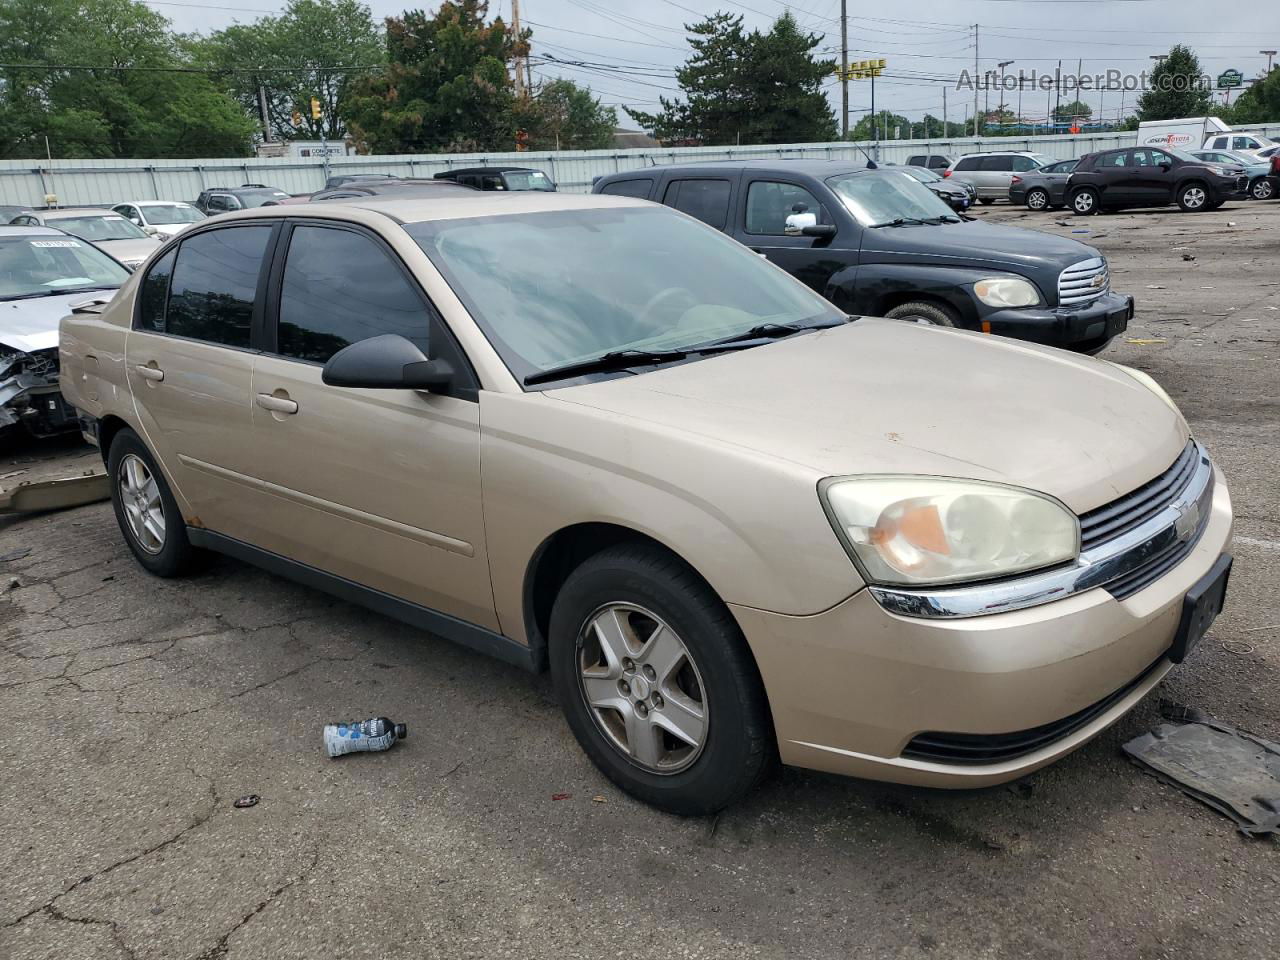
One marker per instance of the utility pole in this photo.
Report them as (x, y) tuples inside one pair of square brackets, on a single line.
[(1057, 103), (975, 79), (844, 69), (944, 113), (1019, 98), (1268, 54), (1000, 98), (262, 110), (519, 59)]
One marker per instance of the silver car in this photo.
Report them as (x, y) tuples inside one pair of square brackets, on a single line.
[(105, 229), (160, 218), (1262, 185), (992, 173)]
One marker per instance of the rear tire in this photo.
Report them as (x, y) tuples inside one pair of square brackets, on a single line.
[(639, 647), (1085, 202), (1262, 189), (148, 515), (925, 312), (1037, 199), (986, 201)]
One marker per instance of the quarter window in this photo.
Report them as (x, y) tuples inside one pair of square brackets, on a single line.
[(340, 287), (154, 293), (638, 188), (707, 200), (1001, 164), (968, 163), (214, 284), (770, 203)]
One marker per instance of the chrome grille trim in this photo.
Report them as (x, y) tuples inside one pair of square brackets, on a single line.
[(1078, 283), (1124, 513), (1122, 564)]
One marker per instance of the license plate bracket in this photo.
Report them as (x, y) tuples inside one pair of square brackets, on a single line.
[(1200, 606)]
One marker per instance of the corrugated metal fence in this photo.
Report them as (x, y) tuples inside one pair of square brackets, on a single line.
[(26, 182)]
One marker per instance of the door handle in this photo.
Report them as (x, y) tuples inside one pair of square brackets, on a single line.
[(276, 404), (150, 372)]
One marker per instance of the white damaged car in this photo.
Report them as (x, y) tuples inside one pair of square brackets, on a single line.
[(43, 273)]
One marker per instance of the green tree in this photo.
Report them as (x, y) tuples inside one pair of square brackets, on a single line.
[(1175, 88), (564, 116), (1067, 112), (445, 85), (314, 48), (1259, 103), (130, 94), (884, 122), (747, 87)]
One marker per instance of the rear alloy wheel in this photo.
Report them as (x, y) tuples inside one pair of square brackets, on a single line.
[(1037, 199), (1084, 202), (145, 509), (924, 312), (1193, 198), (1262, 189), (986, 201)]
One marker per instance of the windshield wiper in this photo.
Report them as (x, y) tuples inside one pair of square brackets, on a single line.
[(60, 292), (768, 331), (898, 222), (614, 360), (945, 218)]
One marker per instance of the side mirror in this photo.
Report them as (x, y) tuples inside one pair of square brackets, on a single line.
[(797, 222), (1166, 167), (388, 362), (824, 231)]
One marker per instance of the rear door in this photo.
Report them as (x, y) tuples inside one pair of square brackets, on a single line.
[(704, 198), (189, 364), (381, 487), (768, 202), (995, 173), (1116, 177)]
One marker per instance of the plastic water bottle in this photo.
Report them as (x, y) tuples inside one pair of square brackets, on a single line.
[(366, 735)]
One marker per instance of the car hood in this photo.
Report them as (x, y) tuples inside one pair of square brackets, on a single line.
[(30, 325), (887, 397), (979, 244)]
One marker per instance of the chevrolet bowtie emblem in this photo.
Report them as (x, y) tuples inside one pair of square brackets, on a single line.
[(1188, 521)]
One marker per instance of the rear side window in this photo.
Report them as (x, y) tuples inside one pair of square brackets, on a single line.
[(968, 163), (1221, 143), (340, 287), (154, 292), (707, 200), (215, 280), (629, 188), (939, 163), (918, 160), (770, 203), (1114, 159), (998, 164)]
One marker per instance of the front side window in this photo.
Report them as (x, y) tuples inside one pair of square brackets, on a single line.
[(341, 287), (878, 199), (638, 188), (1023, 164), (113, 227), (705, 200), (1244, 143), (560, 286), (215, 281), (50, 265), (770, 203), (1140, 158)]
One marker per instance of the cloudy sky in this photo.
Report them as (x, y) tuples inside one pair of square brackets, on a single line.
[(627, 50)]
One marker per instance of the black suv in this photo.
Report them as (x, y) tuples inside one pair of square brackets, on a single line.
[(500, 178), (221, 199), (1152, 177), (879, 242)]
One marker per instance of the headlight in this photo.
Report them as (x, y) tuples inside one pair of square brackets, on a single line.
[(929, 530), (1147, 381), (1006, 292)]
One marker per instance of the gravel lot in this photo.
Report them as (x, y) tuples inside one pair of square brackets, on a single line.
[(138, 709)]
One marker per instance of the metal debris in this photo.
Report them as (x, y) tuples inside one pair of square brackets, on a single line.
[(248, 800), (56, 494)]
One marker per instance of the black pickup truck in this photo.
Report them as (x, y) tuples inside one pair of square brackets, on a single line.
[(877, 242)]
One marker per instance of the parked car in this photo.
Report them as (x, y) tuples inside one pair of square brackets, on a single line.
[(1262, 185), (992, 173), (1238, 142), (161, 218), (224, 199), (934, 161), (406, 187), (1182, 133), (1151, 177), (9, 211), (956, 194), (500, 178), (735, 523), (1043, 188), (105, 229), (339, 179), (43, 272), (1268, 152), (878, 243)]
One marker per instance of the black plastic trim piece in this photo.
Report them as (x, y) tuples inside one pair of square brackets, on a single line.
[(480, 639)]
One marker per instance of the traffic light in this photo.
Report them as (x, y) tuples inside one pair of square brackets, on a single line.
[(315, 109), (296, 118)]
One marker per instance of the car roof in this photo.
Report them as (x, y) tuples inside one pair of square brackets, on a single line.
[(814, 168), (449, 173), (63, 212), (15, 230), (154, 203)]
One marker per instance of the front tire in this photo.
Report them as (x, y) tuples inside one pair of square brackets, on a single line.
[(656, 681), (925, 312), (1193, 197), (1037, 199), (1085, 202), (144, 506)]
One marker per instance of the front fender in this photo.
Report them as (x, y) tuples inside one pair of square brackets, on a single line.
[(882, 286)]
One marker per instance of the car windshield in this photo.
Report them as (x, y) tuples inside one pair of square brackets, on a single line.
[(564, 286), (1244, 159), (106, 227), (923, 174), (170, 213), (1182, 155), (529, 180), (256, 198), (35, 266), (884, 199)]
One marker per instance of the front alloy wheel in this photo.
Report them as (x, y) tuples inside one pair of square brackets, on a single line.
[(1193, 197)]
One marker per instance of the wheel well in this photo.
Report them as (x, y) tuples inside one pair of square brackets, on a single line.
[(108, 427), (557, 557), (889, 301), (1193, 182)]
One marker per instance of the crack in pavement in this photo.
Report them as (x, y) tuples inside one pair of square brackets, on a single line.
[(221, 948), (116, 935)]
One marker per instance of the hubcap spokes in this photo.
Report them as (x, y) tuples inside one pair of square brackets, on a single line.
[(1195, 197), (642, 687), (143, 509)]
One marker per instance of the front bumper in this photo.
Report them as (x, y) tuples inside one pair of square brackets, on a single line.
[(1087, 326), (851, 687)]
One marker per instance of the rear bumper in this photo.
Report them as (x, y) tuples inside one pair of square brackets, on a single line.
[(852, 687), (1085, 327)]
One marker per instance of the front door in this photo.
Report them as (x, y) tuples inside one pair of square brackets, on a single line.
[(381, 487), (189, 363), (1152, 183), (770, 204)]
